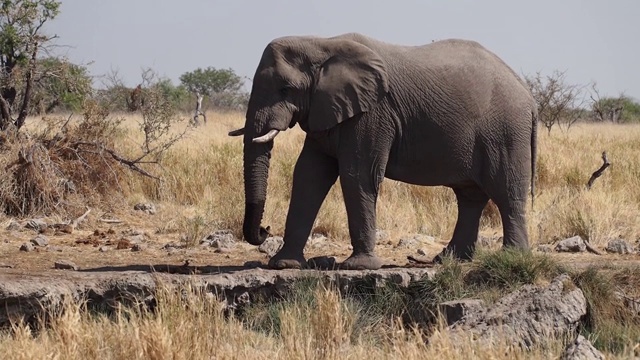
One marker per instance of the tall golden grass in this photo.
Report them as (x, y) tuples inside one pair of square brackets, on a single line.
[(202, 179), (194, 327), (203, 174)]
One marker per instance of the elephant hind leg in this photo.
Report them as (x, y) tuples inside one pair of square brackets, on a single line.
[(471, 202), (512, 203)]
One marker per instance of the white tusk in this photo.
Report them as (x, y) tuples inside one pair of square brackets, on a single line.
[(236, 132), (266, 138)]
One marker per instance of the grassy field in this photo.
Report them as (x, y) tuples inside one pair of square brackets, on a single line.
[(204, 175), (202, 189), (315, 321)]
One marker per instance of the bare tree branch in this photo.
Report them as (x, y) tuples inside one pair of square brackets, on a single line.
[(558, 102), (24, 109), (99, 148), (596, 174), (606, 109)]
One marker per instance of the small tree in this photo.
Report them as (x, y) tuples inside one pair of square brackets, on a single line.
[(223, 86), (558, 102), (21, 38), (614, 109), (59, 84)]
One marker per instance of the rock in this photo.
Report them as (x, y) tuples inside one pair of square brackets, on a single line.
[(148, 208), (36, 224), (455, 310), (619, 246), (136, 239), (5, 266), (63, 229), (30, 297), (103, 248), (408, 242), (322, 263), (527, 316), (65, 265), (489, 241), (173, 246), (545, 248), (137, 247), (271, 246), (48, 231), (220, 239), (415, 241), (581, 349), (40, 240), (13, 226), (381, 235), (54, 249), (321, 242), (317, 236), (133, 232), (572, 244), (27, 247), (123, 244)]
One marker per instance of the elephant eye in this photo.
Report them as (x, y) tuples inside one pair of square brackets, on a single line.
[(284, 91)]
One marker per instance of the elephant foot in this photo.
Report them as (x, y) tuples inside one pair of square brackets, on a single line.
[(361, 262), (286, 261), (463, 256)]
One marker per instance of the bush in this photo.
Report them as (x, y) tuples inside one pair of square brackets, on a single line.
[(57, 170)]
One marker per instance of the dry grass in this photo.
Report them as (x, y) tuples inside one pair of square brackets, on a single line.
[(204, 176), (194, 327), (202, 187)]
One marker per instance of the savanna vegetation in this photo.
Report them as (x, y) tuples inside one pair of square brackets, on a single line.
[(67, 144), (316, 321)]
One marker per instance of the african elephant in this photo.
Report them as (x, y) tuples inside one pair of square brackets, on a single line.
[(450, 113)]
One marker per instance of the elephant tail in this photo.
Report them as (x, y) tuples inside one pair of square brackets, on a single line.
[(534, 148)]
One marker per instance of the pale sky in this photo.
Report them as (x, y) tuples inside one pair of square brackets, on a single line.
[(593, 40)]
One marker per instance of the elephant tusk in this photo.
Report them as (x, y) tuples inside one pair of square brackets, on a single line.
[(236, 132), (266, 138)]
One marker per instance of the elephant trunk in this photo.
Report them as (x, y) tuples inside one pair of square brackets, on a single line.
[(256, 173)]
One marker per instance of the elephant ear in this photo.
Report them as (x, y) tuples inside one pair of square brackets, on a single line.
[(352, 81)]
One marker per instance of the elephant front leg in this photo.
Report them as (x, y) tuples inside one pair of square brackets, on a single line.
[(360, 195), (313, 176)]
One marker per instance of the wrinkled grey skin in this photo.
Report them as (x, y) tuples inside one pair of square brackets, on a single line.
[(449, 113)]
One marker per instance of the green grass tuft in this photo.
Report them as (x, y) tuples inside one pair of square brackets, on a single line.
[(510, 268)]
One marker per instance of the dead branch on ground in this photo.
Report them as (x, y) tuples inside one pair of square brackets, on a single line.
[(80, 219)]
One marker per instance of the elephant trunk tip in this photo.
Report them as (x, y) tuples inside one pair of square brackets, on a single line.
[(258, 238)]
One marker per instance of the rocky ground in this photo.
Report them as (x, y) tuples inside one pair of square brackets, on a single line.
[(106, 258), (134, 241)]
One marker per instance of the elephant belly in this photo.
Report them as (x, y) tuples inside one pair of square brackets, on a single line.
[(427, 174)]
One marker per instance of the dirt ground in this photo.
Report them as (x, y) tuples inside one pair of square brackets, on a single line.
[(98, 246)]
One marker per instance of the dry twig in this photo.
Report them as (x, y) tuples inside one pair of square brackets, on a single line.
[(111, 221), (80, 219)]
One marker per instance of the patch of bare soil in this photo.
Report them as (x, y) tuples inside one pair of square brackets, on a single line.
[(134, 243)]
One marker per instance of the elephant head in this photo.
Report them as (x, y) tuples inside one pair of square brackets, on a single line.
[(314, 82)]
